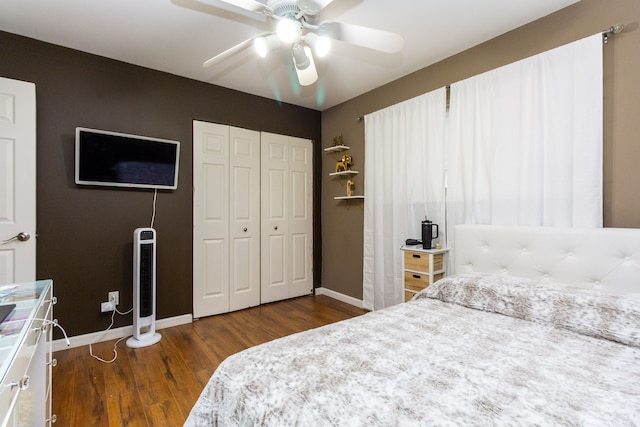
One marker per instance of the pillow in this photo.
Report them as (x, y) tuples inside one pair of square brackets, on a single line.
[(589, 312)]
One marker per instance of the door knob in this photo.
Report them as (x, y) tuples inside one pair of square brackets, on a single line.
[(275, 228), (22, 236), (244, 229)]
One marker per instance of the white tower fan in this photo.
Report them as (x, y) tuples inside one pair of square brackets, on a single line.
[(144, 289)]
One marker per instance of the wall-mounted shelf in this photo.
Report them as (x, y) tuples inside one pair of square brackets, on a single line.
[(348, 175), (336, 148), (344, 173)]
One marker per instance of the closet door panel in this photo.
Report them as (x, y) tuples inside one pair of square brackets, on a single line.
[(244, 223), (301, 217), (274, 254), (210, 219), (275, 247)]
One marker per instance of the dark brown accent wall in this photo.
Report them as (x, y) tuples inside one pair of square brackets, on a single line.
[(85, 233), (342, 247)]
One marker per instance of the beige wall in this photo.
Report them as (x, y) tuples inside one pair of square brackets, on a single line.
[(342, 223)]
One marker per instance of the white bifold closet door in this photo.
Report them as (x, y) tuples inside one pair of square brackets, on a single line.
[(252, 218), (287, 217), (226, 218)]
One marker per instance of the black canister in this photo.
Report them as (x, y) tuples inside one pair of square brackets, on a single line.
[(428, 233)]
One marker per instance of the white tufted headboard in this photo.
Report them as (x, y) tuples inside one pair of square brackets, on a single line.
[(599, 258)]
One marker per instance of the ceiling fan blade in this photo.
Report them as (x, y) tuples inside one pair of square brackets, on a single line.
[(384, 41), (312, 7), (250, 5), (232, 51)]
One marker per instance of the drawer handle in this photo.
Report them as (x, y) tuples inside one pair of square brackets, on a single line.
[(416, 276), (23, 384), (416, 256), (26, 380)]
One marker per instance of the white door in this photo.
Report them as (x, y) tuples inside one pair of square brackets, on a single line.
[(17, 181), (287, 218), (226, 201)]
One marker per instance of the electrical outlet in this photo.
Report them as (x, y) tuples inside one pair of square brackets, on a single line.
[(114, 297), (106, 306)]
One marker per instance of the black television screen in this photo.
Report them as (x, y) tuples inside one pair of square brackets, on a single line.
[(121, 160)]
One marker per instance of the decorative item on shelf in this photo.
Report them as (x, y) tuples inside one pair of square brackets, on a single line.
[(338, 141), (344, 164), (350, 186)]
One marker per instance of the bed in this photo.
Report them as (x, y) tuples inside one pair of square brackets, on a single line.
[(538, 326)]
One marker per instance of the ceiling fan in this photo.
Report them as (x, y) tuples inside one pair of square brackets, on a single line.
[(297, 27)]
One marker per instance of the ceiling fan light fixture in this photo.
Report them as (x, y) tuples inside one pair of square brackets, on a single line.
[(304, 65), (321, 44), (288, 30), (266, 44), (301, 55)]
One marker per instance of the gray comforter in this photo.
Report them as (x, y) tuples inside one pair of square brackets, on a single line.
[(470, 350)]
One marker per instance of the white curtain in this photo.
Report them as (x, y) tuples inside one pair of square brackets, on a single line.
[(404, 183), (525, 143), (522, 144)]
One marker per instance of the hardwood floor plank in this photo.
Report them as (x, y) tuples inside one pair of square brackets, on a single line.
[(191, 347), (125, 410), (158, 385), (150, 380), (119, 375), (182, 381), (90, 406), (164, 413)]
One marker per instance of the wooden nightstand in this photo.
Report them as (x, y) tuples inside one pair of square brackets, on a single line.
[(422, 267)]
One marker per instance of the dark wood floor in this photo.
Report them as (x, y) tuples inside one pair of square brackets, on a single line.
[(158, 385)]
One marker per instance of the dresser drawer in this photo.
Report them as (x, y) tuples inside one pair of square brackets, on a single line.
[(419, 261)]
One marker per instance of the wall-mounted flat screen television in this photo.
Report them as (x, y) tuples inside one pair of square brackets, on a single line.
[(122, 160)]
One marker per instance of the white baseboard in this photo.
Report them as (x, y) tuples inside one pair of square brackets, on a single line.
[(112, 334), (340, 297), (125, 331)]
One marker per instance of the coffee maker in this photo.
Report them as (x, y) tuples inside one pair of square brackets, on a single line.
[(428, 233)]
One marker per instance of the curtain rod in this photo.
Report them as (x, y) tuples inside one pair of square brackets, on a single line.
[(614, 29)]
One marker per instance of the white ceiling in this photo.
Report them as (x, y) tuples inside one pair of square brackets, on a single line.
[(177, 36)]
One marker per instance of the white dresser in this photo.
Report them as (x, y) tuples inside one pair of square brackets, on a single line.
[(25, 355)]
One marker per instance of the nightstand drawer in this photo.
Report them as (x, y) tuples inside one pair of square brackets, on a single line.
[(420, 261), (408, 295), (417, 282)]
